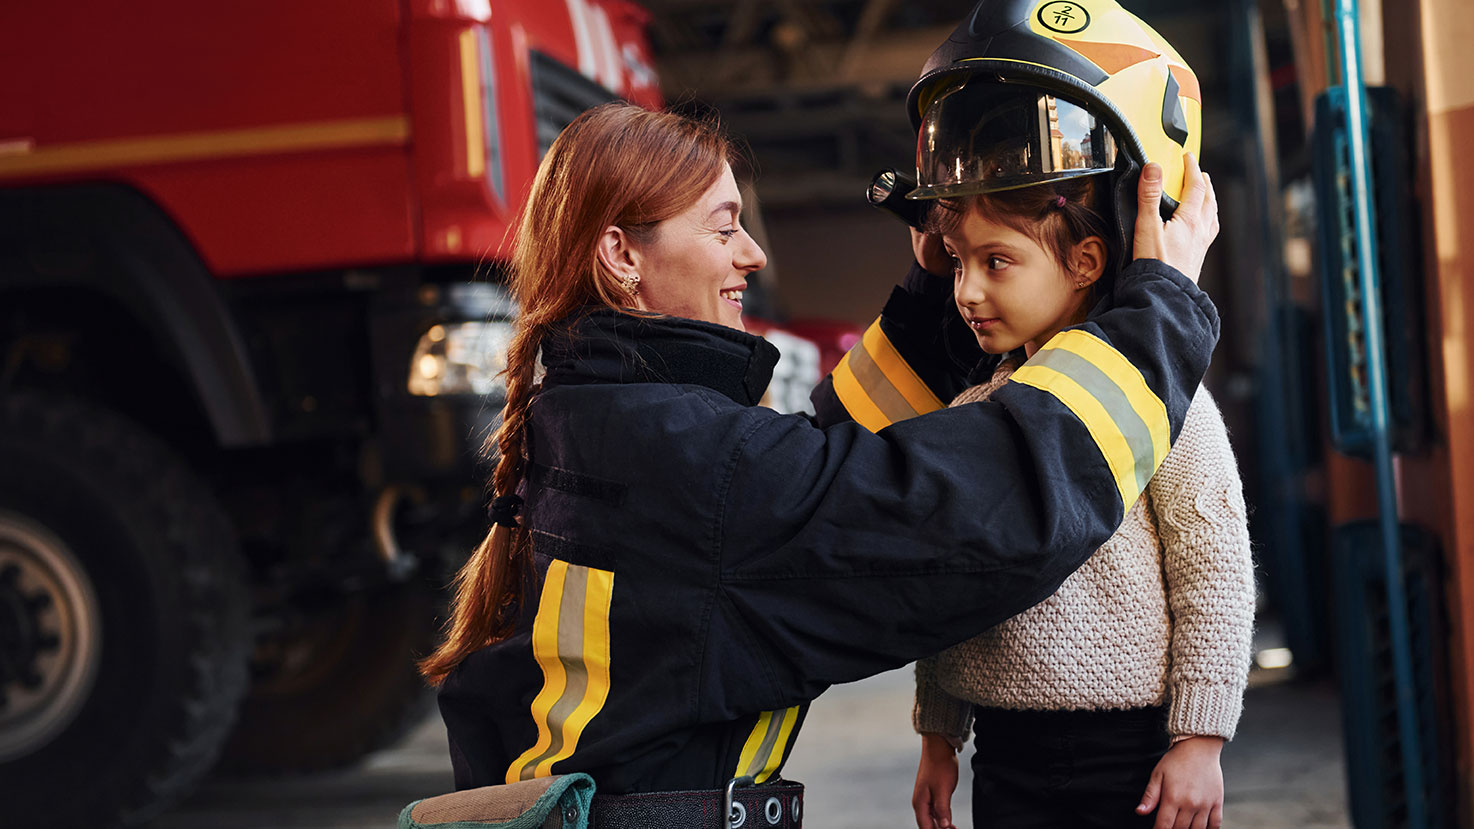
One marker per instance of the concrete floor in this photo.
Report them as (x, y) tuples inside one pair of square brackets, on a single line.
[(857, 756)]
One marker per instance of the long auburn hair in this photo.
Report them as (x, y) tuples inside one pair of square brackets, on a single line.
[(616, 164)]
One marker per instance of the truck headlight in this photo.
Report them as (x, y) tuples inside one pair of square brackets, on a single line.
[(460, 358)]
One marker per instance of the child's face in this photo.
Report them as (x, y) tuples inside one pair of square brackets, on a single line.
[(1012, 291)]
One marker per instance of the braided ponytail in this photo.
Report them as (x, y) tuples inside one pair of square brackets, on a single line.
[(491, 585), (615, 165)]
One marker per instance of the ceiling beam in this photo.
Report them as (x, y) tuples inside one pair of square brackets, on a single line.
[(759, 70)]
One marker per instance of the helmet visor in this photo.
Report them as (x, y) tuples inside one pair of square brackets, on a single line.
[(984, 136)]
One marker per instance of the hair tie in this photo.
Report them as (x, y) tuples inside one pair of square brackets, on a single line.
[(504, 510), (1059, 201)]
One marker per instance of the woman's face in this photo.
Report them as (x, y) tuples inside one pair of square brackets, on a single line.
[(696, 263), (1011, 290)]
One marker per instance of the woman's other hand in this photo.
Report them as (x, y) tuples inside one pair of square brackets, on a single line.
[(1183, 241), (930, 254), (936, 780), (1186, 787)]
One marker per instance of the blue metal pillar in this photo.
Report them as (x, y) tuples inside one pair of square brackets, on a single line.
[(1348, 32)]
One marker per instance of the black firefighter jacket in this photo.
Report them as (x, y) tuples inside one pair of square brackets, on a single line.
[(708, 566)]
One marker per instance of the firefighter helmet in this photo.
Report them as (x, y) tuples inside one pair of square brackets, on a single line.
[(1027, 91)]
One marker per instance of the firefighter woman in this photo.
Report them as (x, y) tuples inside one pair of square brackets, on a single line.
[(674, 572)]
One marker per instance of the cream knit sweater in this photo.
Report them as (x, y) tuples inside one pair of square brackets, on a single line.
[(1164, 611)]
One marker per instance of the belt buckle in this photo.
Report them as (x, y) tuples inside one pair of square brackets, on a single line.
[(730, 818)]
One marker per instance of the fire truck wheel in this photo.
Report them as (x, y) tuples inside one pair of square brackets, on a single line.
[(124, 607), (337, 681)]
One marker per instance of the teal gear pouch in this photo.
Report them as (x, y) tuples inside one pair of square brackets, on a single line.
[(559, 802)]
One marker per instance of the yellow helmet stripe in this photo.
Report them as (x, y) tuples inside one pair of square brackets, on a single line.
[(570, 642), (1127, 421), (877, 386)]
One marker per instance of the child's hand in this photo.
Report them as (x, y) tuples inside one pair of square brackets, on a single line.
[(1183, 241), (1186, 787), (930, 254), (936, 779)]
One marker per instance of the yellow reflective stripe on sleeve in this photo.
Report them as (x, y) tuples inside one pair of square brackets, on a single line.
[(898, 371), (854, 399), (763, 752), (1103, 430), (570, 641), (877, 386), (1127, 421), (1144, 402)]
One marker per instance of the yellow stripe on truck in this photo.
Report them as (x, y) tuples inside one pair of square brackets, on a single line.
[(390, 130)]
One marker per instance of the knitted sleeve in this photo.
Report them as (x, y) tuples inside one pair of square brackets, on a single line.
[(936, 711), (1199, 503)]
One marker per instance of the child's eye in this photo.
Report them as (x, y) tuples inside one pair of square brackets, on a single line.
[(997, 263), (956, 264)]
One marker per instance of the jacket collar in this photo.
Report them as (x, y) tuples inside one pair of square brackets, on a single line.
[(602, 345)]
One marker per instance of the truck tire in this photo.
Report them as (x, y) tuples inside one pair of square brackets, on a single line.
[(338, 683), (124, 607)]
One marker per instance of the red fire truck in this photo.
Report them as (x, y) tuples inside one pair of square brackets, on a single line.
[(249, 329)]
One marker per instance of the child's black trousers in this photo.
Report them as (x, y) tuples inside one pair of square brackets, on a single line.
[(1052, 769)]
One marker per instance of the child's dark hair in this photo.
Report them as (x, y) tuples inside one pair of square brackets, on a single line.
[(1056, 214)]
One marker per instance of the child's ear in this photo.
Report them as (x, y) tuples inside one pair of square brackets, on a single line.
[(1089, 260)]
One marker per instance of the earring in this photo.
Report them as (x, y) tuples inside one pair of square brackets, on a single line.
[(631, 284)]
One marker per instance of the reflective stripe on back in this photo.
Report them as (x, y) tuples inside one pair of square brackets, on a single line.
[(570, 641), (1127, 421), (766, 746), (876, 385)]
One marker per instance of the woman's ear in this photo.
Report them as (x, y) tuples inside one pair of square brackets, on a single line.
[(618, 255), (1089, 258)]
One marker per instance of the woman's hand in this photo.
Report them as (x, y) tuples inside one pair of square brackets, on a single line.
[(1186, 787), (936, 779), (931, 255), (1183, 241)]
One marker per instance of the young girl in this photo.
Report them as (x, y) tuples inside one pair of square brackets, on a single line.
[(1112, 698)]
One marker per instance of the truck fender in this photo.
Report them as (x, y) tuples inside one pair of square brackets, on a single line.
[(114, 240)]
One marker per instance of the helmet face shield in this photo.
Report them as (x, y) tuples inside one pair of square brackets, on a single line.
[(982, 136)]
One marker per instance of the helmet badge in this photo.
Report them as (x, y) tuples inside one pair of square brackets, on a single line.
[(1064, 16)]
